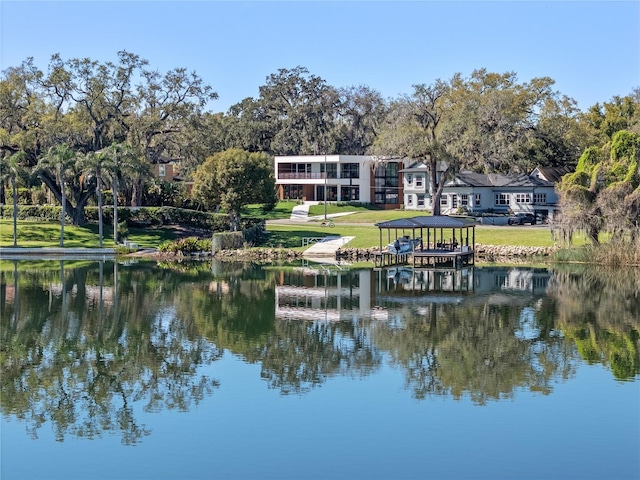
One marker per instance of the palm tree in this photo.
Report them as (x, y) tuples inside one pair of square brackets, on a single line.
[(11, 171), (98, 163), (60, 160)]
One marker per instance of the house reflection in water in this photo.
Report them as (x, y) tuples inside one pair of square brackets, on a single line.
[(330, 294), (325, 293)]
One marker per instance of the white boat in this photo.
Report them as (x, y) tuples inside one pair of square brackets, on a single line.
[(404, 245)]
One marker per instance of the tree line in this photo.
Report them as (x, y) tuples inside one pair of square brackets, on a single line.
[(487, 122)]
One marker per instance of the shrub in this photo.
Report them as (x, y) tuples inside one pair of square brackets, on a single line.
[(186, 245)]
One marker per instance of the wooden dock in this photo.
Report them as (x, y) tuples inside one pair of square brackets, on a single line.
[(433, 258)]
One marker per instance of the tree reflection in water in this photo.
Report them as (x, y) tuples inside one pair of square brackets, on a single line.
[(79, 356), (86, 345)]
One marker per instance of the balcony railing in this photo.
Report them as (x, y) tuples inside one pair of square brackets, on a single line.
[(306, 176)]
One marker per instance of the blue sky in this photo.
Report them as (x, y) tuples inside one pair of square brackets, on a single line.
[(591, 49)]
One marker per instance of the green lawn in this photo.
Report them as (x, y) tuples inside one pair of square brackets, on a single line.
[(366, 236), (39, 234), (281, 210), (43, 234)]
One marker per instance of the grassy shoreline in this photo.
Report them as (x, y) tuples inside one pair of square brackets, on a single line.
[(285, 235)]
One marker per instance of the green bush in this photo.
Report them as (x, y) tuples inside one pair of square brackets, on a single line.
[(186, 245)]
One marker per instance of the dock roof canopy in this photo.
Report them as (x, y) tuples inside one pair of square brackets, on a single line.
[(439, 221)]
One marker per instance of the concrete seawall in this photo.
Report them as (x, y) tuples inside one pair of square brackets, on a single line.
[(10, 253)]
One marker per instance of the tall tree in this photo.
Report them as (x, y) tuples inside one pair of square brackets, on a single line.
[(96, 165), (89, 104), (233, 179), (604, 191), (495, 122), (361, 112), (414, 129), (100, 94), (295, 114), (61, 161), (10, 168)]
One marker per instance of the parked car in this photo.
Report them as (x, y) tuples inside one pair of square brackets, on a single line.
[(522, 218)]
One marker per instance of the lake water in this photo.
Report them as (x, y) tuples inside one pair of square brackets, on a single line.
[(209, 370)]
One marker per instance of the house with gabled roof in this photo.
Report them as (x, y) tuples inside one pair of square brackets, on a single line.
[(550, 174), (482, 193)]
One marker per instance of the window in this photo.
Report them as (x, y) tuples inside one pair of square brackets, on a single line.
[(464, 199), (349, 193), (477, 199), (386, 183), (523, 198), (539, 198), (349, 170), (162, 170), (332, 170), (444, 200), (409, 179), (292, 192), (409, 199), (502, 199), (294, 170), (454, 201), (419, 180), (421, 200)]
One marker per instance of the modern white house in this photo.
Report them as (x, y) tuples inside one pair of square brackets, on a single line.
[(340, 178), (481, 193)]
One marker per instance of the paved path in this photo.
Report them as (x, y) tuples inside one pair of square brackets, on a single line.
[(327, 247), (300, 213)]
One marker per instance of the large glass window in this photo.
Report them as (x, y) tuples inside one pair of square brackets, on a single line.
[(386, 183), (523, 198), (349, 170), (421, 200), (464, 200), (292, 192), (477, 199), (332, 169), (349, 193), (419, 180)]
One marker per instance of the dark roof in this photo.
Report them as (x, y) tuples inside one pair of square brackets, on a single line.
[(438, 221), (415, 167), (473, 179), (552, 174)]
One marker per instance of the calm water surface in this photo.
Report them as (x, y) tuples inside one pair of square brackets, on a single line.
[(204, 370)]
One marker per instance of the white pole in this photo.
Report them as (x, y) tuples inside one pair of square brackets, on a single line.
[(325, 187)]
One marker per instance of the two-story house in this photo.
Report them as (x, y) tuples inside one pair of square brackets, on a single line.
[(340, 178)]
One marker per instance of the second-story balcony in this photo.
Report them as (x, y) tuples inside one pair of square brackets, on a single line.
[(305, 175)]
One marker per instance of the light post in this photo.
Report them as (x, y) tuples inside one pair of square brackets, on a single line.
[(325, 187)]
